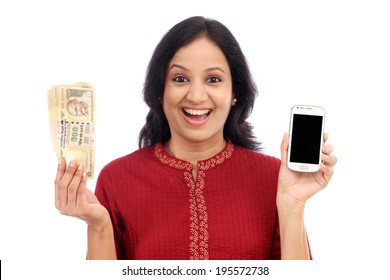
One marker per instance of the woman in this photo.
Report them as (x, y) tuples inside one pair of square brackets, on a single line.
[(197, 188)]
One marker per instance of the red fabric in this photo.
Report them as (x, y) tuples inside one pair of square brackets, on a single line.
[(158, 211)]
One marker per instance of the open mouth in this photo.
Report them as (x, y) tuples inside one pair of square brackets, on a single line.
[(196, 115)]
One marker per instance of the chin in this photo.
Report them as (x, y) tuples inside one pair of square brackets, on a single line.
[(200, 137)]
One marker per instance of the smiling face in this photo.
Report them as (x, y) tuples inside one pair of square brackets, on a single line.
[(198, 92)]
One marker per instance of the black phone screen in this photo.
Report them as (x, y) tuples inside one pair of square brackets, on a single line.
[(306, 139)]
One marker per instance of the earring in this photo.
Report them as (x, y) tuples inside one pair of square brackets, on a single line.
[(234, 101)]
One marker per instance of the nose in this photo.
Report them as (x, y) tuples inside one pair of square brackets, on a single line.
[(197, 92)]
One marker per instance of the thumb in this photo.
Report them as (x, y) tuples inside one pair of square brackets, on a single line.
[(284, 148)]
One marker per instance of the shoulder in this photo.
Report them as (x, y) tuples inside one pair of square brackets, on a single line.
[(139, 158), (251, 157), (256, 169), (119, 176)]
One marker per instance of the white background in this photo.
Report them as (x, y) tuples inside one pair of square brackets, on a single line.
[(335, 54)]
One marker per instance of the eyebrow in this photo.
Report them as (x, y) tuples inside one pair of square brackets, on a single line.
[(207, 70)]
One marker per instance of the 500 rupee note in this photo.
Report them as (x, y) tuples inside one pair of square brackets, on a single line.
[(72, 123)]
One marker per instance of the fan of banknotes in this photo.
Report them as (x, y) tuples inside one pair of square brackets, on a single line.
[(72, 123)]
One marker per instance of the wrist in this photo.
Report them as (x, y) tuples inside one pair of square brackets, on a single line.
[(289, 205), (101, 243), (102, 225)]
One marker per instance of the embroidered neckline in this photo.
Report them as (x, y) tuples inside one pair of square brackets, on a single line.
[(166, 158), (198, 215)]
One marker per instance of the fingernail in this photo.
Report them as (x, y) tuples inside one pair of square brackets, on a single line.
[(79, 167), (59, 161)]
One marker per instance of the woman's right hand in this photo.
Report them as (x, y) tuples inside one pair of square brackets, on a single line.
[(72, 197)]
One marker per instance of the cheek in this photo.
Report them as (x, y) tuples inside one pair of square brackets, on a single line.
[(226, 101), (224, 107), (171, 95), (166, 104), (169, 104), (228, 104)]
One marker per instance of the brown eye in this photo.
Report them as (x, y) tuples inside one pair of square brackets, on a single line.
[(180, 79), (213, 80)]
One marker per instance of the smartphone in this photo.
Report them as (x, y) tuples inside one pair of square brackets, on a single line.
[(306, 138)]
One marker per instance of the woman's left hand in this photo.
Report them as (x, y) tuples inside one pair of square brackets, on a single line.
[(298, 187)]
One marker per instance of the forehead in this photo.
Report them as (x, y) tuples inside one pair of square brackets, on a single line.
[(200, 50)]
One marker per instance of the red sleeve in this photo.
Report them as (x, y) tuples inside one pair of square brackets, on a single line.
[(105, 193), (276, 253)]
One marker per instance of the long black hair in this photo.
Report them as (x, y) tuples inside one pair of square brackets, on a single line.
[(236, 129)]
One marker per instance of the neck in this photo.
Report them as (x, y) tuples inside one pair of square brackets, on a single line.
[(194, 151)]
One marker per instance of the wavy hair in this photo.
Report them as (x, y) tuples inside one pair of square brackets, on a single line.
[(236, 128)]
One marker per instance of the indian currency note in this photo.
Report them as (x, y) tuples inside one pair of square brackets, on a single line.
[(72, 123)]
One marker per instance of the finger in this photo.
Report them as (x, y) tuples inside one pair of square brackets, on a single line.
[(81, 191), (73, 188), (327, 149), (284, 148), (327, 172), (329, 160), (60, 173), (60, 170), (326, 135), (64, 184)]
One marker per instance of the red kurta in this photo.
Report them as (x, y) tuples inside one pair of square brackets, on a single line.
[(159, 211)]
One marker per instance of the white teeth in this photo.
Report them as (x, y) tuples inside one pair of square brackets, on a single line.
[(196, 112)]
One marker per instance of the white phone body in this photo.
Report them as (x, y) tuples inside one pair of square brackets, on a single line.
[(306, 138)]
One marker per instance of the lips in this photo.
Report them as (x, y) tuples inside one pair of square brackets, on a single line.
[(196, 116)]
